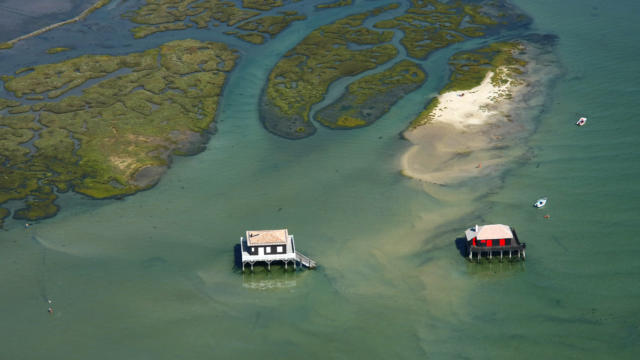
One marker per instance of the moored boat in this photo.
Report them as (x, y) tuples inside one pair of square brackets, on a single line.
[(581, 121), (540, 202)]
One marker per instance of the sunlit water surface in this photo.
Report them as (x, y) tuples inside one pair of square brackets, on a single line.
[(153, 276)]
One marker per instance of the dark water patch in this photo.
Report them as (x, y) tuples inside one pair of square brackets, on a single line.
[(560, 244), (155, 262)]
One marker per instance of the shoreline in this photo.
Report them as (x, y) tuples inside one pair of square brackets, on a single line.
[(465, 134), (97, 5)]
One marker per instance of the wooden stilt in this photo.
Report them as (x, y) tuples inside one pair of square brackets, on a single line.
[(243, 266), (285, 264), (269, 265), (252, 266), (523, 254), (500, 255), (510, 254)]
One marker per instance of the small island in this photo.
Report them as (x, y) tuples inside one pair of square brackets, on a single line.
[(109, 138), (471, 127), (348, 47), (370, 97), (167, 15), (335, 4), (56, 50), (302, 77)]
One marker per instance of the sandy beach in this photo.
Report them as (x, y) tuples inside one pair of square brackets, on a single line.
[(466, 134)]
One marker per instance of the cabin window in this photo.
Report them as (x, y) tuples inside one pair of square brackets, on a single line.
[(501, 242), (279, 249), (268, 249), (253, 250)]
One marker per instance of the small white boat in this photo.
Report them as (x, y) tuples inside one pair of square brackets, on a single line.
[(540, 202), (581, 121)]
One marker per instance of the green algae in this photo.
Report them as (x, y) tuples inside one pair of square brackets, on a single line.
[(301, 78), (263, 5), (272, 25), (56, 50), (370, 97), (117, 136), (4, 103), (335, 4), (426, 115), (59, 78), (39, 205), (156, 12), (221, 11), (11, 140), (4, 213), (430, 25), (19, 109), (253, 38), (469, 68), (140, 32), (24, 121), (170, 15)]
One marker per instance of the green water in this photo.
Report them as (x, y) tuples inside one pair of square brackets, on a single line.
[(153, 276)]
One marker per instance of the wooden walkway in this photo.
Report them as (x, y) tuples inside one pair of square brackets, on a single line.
[(305, 260)]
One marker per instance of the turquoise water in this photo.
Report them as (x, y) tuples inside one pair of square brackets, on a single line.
[(153, 276)]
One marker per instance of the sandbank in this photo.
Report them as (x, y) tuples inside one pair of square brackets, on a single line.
[(465, 134)]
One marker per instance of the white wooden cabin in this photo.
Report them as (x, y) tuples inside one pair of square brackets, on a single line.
[(267, 246)]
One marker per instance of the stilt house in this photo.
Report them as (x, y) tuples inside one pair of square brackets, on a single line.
[(271, 245), (492, 239)]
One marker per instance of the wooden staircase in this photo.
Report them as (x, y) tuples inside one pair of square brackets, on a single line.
[(305, 260)]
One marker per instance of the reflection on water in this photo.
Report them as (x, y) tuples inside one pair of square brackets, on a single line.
[(496, 269), (262, 280)]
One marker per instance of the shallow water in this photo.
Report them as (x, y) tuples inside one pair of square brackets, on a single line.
[(153, 276)]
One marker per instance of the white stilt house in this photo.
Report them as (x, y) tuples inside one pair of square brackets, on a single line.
[(271, 245)]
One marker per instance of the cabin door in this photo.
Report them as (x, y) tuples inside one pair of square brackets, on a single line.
[(260, 250)]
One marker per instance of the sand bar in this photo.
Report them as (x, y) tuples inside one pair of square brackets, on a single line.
[(464, 135)]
